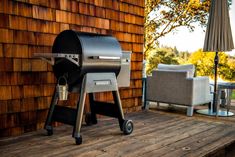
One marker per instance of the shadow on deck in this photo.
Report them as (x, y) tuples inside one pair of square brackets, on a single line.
[(156, 133)]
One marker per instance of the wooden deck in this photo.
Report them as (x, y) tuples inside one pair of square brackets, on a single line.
[(156, 133)]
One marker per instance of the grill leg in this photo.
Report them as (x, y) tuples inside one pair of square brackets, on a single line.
[(93, 114), (80, 109), (125, 125), (48, 125), (117, 101)]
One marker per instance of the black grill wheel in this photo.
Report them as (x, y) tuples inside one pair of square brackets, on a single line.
[(127, 127)]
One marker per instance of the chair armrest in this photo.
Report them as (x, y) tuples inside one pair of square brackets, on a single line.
[(200, 90)]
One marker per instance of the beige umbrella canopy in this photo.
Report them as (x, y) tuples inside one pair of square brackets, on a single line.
[(218, 36)]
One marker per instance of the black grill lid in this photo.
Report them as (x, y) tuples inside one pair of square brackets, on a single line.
[(97, 53)]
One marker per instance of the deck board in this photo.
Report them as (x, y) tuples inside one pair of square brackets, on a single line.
[(156, 133)]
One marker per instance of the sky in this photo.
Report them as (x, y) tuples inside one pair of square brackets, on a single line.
[(192, 41)]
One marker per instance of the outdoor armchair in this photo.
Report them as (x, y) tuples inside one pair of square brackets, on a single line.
[(176, 84)]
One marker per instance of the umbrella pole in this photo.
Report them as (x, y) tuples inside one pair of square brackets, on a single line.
[(216, 61)]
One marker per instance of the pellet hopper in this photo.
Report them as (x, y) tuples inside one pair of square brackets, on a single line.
[(87, 63)]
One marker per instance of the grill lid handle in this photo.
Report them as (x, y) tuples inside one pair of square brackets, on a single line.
[(105, 57)]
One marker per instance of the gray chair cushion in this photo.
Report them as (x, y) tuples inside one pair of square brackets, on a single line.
[(190, 68)]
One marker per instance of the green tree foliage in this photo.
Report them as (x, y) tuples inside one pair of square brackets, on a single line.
[(227, 68), (183, 56), (204, 62), (164, 16), (164, 55)]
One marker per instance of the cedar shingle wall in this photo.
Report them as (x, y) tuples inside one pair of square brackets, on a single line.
[(29, 26)]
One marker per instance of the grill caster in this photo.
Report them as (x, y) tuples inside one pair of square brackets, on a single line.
[(89, 120), (78, 140), (49, 132), (127, 127)]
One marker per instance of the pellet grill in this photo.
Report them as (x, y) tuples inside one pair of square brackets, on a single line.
[(87, 63)]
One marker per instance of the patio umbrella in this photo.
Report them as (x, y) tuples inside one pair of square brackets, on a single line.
[(218, 36)]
